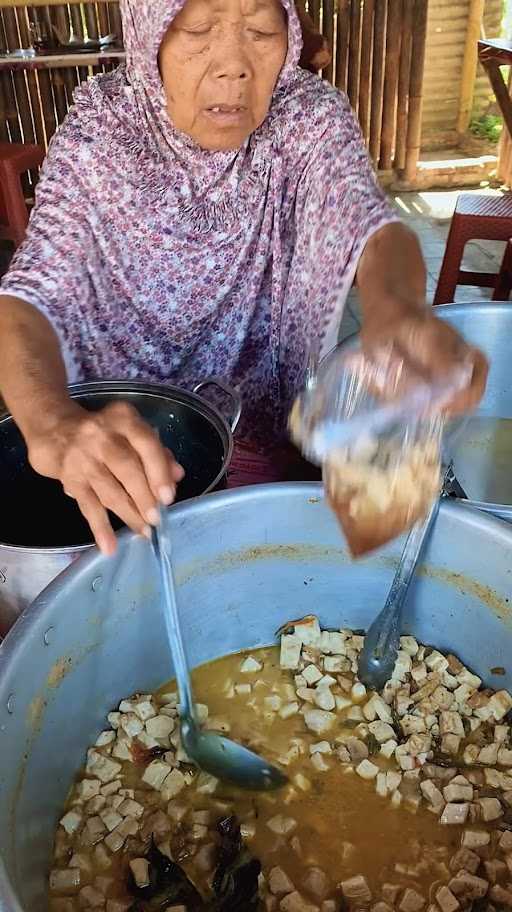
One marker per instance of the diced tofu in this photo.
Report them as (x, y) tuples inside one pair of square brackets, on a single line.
[(317, 883), (468, 886), (114, 719), (450, 744), (489, 755), (289, 710), (388, 749), (140, 871), (279, 883), (105, 738), (131, 724), (412, 901), (356, 890), (504, 756), (455, 814), (318, 762), (446, 901), (412, 724), (306, 693), (321, 747), (491, 809), (505, 842), (465, 860), (302, 782), (358, 692), (500, 704), (65, 881), (308, 631), (324, 699), (342, 702), (382, 731), (281, 825), (88, 788), (126, 706), (145, 710), (436, 661), (250, 665), (312, 674), (206, 784), (333, 643), (110, 818), (380, 785), (173, 785), (336, 664), (294, 902), (160, 727), (130, 808), (319, 721), (390, 893), (475, 839), (450, 723), (94, 831), (102, 767), (156, 774), (122, 750), (367, 770), (432, 794), (393, 780), (456, 792), (409, 645), (71, 822), (273, 703), (291, 647)]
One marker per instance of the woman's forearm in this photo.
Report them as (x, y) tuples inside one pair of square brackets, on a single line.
[(391, 275), (33, 379)]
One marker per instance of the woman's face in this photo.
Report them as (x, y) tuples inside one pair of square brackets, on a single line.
[(220, 61)]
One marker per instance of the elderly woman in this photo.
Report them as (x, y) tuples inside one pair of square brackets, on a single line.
[(203, 210)]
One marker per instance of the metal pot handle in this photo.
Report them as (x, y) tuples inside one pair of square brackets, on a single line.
[(230, 392)]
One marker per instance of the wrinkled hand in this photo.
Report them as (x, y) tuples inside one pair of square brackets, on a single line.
[(107, 460), (433, 348)]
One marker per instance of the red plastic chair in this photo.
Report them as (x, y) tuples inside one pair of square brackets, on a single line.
[(15, 160), (476, 217)]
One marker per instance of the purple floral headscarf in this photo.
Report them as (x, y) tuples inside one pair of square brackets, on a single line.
[(157, 260)]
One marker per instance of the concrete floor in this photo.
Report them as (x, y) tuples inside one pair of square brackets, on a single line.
[(428, 214)]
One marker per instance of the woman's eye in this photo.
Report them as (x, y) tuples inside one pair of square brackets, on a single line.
[(261, 35), (199, 32)]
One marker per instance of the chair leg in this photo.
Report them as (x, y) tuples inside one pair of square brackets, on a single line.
[(449, 275), (15, 205), (503, 285)]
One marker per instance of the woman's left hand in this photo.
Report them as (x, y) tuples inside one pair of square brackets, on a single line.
[(431, 346)]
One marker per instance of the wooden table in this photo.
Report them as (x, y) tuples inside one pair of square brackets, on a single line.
[(493, 55), (9, 62)]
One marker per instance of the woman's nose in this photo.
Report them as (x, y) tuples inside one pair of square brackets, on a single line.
[(232, 61)]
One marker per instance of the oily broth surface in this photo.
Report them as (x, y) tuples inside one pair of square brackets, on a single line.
[(344, 827)]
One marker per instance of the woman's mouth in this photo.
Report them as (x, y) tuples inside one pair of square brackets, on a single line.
[(226, 114)]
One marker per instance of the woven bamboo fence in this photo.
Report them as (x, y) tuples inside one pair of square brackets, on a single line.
[(378, 59)]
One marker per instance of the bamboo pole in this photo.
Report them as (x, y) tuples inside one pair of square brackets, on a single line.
[(393, 38), (314, 7), (470, 64), (404, 78), (379, 48), (354, 54), (416, 89), (102, 14), (21, 97), (342, 41), (116, 26), (366, 67), (328, 31)]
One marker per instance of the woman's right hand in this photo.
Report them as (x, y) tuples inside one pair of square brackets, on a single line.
[(107, 460)]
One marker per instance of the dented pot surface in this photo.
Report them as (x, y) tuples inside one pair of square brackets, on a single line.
[(246, 561)]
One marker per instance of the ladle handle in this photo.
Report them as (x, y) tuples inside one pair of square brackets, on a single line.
[(161, 547)]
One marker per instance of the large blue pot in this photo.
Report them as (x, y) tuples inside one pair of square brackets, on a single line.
[(246, 561)]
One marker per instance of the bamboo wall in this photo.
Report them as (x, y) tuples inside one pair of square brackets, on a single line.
[(378, 54), (34, 102)]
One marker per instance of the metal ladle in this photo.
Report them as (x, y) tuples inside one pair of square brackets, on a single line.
[(382, 641), (211, 752)]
